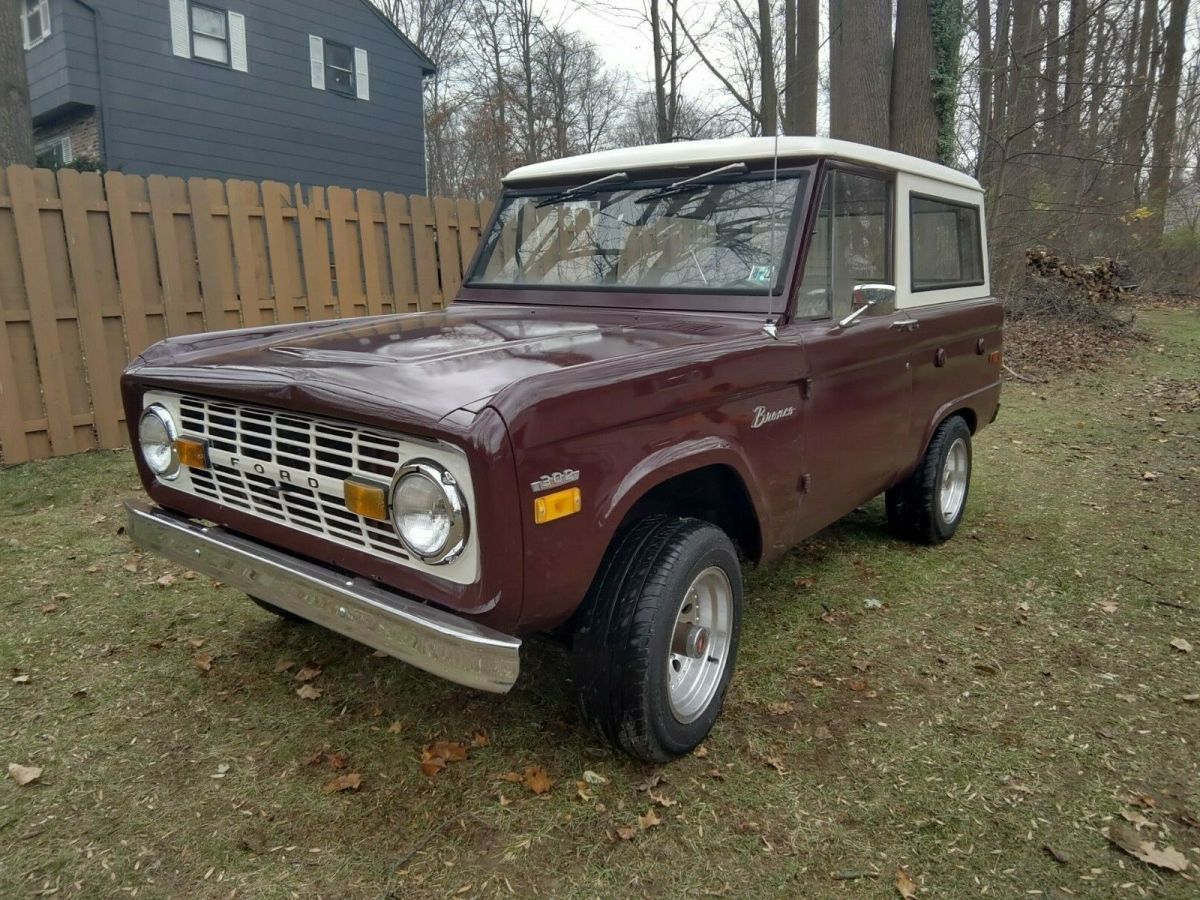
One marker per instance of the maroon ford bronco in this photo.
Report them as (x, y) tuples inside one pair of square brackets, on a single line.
[(664, 361)]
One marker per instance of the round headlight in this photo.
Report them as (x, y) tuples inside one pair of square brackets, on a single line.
[(429, 512), (156, 435)]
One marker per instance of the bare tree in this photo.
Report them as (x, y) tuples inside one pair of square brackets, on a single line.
[(16, 124), (1166, 118), (914, 118)]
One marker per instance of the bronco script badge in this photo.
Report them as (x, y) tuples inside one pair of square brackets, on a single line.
[(764, 416)]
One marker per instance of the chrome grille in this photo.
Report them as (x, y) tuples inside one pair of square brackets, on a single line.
[(329, 451)]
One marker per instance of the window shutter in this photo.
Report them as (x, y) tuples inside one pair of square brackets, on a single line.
[(316, 61), (68, 154), (181, 33), (362, 80), (25, 26), (237, 41), (45, 17)]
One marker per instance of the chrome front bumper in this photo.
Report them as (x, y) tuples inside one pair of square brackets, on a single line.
[(438, 642)]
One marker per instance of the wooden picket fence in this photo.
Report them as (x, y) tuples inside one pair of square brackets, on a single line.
[(94, 269)]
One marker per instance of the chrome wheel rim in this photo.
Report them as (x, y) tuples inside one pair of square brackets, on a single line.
[(952, 490), (699, 650)]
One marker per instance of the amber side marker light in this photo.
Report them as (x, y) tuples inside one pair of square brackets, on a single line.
[(994, 357), (557, 505), (192, 453), (366, 498)]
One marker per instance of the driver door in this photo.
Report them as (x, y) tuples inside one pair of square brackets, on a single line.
[(858, 394)]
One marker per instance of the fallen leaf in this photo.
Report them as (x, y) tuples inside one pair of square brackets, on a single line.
[(1147, 851), (203, 662), (481, 738), (351, 781), (131, 566), (396, 727), (166, 580), (860, 664), (594, 777), (1190, 698), (700, 752), (662, 800), (196, 643), (873, 603), (858, 685), (337, 760), (283, 665), (24, 775), (308, 672), (822, 733), (803, 583), (652, 781), (1058, 855), (780, 708), (21, 679), (431, 765), (987, 668), (537, 779), (627, 832), (222, 769), (1149, 476), (308, 692), (1108, 606), (582, 792), (1181, 644), (905, 886), (504, 801), (450, 751), (1136, 819), (649, 820), (775, 763), (48, 608)]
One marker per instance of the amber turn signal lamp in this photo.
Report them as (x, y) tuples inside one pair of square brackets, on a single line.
[(994, 357), (557, 505), (192, 453), (366, 498)]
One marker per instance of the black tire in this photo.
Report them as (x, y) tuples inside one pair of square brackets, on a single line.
[(622, 642), (914, 508), (277, 611)]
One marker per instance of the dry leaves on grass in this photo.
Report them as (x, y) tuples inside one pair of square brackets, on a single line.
[(283, 665), (308, 671), (166, 580), (537, 780), (351, 781), (1147, 851), (905, 886), (435, 756), (24, 775), (203, 662), (1182, 645), (308, 692)]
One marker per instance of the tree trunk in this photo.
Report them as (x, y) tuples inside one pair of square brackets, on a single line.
[(860, 70), (1051, 109), (993, 150), (808, 48), (662, 128), (16, 124), (1165, 121), (983, 30), (791, 99), (914, 119), (1077, 42), (766, 57)]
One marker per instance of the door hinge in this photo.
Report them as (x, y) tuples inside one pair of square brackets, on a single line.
[(805, 388), (805, 482)]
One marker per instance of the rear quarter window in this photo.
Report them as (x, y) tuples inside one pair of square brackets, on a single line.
[(946, 245)]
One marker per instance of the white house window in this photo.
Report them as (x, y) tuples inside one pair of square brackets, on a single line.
[(210, 34), (35, 21), (339, 68), (207, 33), (57, 151)]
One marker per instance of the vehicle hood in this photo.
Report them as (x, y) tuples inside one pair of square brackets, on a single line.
[(423, 365)]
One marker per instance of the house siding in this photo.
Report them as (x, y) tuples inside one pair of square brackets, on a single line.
[(62, 68), (185, 117)]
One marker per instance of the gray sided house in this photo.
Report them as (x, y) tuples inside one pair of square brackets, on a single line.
[(318, 92)]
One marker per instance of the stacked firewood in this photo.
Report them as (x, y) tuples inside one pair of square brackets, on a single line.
[(1103, 281)]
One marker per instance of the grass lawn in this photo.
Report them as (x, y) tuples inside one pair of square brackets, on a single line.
[(1012, 694)]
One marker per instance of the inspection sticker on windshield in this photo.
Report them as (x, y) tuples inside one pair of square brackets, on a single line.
[(760, 274)]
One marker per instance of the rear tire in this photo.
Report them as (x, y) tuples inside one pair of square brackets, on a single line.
[(277, 611), (928, 506), (657, 638)]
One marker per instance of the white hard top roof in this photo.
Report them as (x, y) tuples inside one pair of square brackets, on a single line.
[(728, 150)]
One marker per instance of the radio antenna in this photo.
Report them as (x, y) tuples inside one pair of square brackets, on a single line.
[(770, 325)]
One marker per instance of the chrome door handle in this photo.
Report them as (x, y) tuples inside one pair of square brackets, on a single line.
[(906, 325)]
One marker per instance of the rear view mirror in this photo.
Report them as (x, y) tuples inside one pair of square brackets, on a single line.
[(880, 299)]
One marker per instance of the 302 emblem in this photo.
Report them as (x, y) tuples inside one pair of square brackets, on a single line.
[(553, 480)]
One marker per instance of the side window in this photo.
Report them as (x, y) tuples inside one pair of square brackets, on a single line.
[(209, 34), (338, 68), (851, 244), (35, 21), (946, 245)]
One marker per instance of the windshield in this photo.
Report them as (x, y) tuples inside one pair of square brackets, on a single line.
[(720, 236)]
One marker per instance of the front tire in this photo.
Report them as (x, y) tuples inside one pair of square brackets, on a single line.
[(657, 638), (928, 506)]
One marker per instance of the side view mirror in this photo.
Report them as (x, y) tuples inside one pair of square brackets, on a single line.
[(880, 299)]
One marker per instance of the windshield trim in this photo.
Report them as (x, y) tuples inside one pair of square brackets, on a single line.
[(779, 287)]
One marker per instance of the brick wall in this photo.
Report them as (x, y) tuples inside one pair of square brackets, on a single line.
[(81, 126)]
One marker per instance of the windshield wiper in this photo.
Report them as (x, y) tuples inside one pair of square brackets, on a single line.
[(694, 183), (582, 189)]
